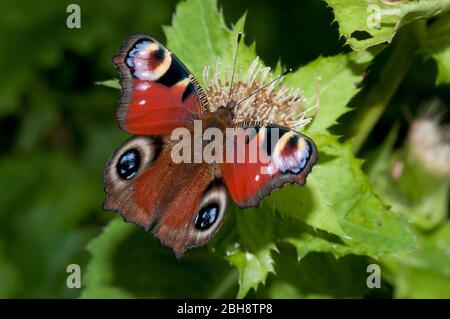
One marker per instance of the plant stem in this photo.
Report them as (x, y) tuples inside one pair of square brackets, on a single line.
[(378, 98)]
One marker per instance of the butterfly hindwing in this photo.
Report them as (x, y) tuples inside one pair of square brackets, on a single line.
[(186, 202), (158, 92), (282, 156)]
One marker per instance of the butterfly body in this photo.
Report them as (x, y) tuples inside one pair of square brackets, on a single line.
[(186, 200), (221, 119)]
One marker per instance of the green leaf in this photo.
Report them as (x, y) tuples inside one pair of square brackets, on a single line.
[(377, 22), (198, 34), (335, 81), (306, 240), (114, 83), (254, 258), (339, 199), (306, 205), (199, 37), (371, 228)]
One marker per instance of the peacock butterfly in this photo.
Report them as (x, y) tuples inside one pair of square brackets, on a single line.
[(187, 200)]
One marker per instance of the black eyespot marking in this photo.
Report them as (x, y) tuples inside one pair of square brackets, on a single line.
[(293, 140), (207, 216), (159, 54), (128, 164)]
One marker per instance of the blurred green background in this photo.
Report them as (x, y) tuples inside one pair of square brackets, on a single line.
[(58, 128)]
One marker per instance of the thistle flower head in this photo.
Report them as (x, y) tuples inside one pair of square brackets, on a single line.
[(275, 103)]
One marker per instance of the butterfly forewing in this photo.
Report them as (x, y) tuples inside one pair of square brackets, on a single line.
[(159, 94), (273, 156)]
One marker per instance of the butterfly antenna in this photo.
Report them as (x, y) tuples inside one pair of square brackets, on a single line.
[(234, 65), (262, 88)]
